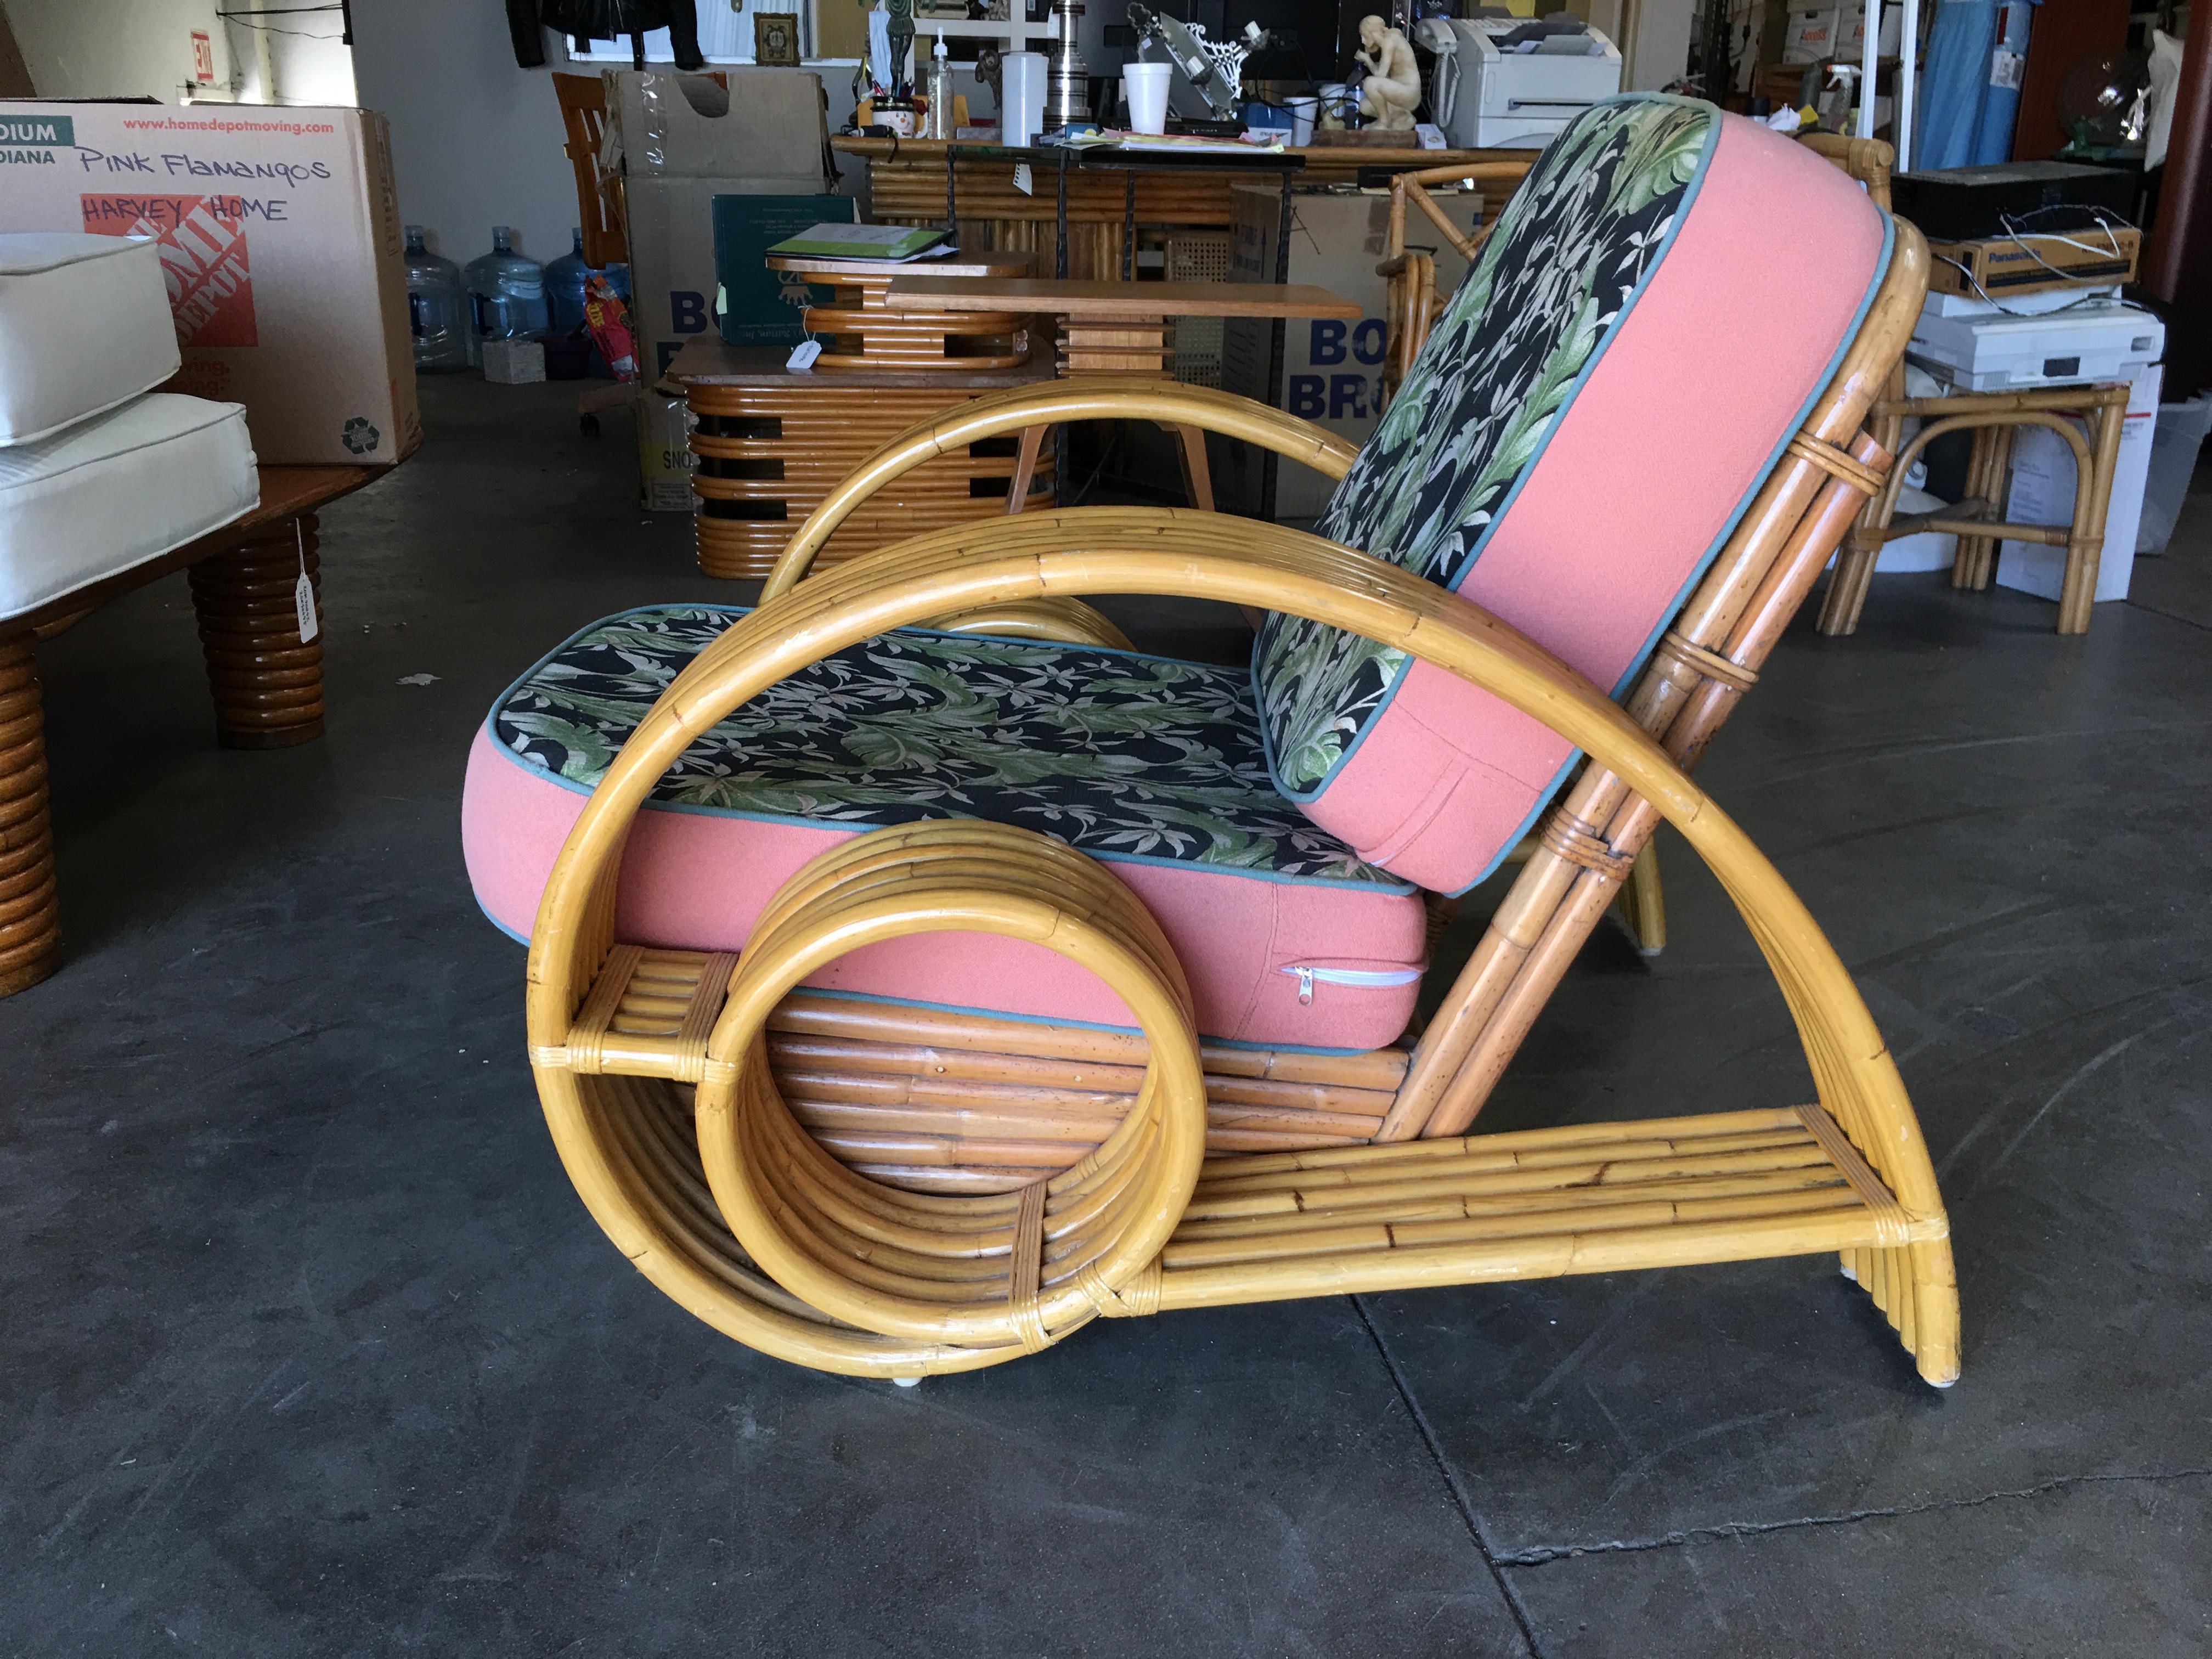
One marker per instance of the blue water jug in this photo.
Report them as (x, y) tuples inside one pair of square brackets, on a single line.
[(564, 287), (507, 292), (437, 309)]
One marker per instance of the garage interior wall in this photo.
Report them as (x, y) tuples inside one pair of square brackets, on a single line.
[(116, 48), (476, 141)]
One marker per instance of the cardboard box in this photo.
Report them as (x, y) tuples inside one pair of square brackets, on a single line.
[(768, 123), (1330, 368), (2003, 266), (665, 460), (1812, 35), (280, 238), (671, 259), (2041, 491)]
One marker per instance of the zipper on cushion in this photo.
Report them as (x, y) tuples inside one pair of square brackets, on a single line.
[(1368, 977)]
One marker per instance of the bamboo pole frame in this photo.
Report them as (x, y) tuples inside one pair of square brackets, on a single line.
[(1872, 1194), (765, 1169), (1087, 551)]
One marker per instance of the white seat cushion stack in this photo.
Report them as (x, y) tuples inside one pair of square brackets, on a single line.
[(84, 328), (97, 473), (117, 490)]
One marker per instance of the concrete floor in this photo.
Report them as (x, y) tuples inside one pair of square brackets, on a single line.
[(309, 1348)]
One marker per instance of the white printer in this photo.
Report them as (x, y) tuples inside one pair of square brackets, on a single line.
[(1490, 92), (1977, 346)]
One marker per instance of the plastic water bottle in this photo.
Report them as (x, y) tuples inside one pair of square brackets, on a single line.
[(507, 292), (564, 287), (437, 308)]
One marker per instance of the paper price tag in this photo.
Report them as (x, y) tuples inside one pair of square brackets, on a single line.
[(303, 591), (803, 355), (2006, 67), (1022, 178)]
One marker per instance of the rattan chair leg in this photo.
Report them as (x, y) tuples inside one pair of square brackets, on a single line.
[(1966, 554), (1856, 558), (1847, 588), (1025, 466), (1642, 904), (2093, 497), (30, 915), (1197, 479), (267, 682)]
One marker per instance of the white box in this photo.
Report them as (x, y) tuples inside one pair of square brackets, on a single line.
[(279, 236), (1850, 30), (513, 362), (1811, 35), (2042, 492), (2002, 353), (1330, 368)]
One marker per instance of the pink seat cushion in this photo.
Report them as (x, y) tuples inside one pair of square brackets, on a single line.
[(1151, 765), (1614, 381)]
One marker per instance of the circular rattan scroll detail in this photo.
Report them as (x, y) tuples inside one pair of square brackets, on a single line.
[(982, 1278)]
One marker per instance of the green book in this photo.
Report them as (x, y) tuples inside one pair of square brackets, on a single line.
[(833, 242)]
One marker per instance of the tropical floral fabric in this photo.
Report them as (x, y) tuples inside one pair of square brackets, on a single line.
[(1120, 755), (1553, 279)]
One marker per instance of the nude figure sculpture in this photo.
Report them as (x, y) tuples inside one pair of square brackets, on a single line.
[(1392, 89)]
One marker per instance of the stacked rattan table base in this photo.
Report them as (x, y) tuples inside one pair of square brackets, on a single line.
[(30, 917), (266, 680), (857, 333), (768, 453)]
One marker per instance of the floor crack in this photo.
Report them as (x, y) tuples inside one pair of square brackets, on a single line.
[(1460, 1502), (1538, 1555)]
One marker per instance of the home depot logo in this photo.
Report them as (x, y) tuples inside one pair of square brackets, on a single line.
[(33, 138), (201, 241)]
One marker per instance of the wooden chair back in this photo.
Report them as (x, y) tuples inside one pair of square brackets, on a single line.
[(598, 193)]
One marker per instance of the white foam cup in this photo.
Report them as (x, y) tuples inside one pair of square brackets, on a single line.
[(1144, 88)]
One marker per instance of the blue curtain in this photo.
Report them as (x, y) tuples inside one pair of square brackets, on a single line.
[(1970, 87)]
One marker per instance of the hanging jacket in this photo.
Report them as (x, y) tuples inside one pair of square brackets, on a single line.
[(612, 20), (522, 28)]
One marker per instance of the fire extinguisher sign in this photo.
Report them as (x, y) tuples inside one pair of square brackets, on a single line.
[(202, 57)]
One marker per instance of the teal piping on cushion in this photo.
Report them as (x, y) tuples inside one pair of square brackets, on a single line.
[(520, 939), (1774, 457), (1506, 847), (858, 826), (1835, 362), (997, 1013), (1528, 468), (1085, 1024)]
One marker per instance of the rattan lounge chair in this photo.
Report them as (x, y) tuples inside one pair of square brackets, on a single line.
[(1163, 1060)]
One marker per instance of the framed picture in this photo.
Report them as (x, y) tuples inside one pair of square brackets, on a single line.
[(776, 39)]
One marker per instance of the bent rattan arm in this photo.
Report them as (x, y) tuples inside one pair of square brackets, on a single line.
[(1082, 398), (1868, 160), (1097, 551)]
